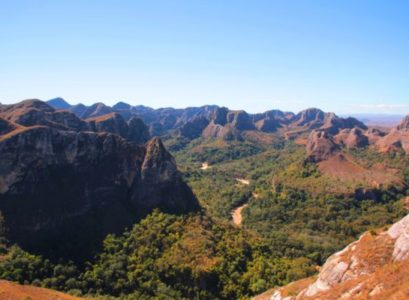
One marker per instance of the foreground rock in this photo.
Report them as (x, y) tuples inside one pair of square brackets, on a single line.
[(374, 267), (63, 187)]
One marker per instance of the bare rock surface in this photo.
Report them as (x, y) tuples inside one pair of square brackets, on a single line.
[(320, 146), (374, 267)]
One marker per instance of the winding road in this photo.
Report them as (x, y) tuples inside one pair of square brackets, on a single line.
[(236, 213)]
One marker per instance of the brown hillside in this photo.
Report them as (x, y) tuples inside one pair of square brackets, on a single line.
[(343, 167), (14, 291)]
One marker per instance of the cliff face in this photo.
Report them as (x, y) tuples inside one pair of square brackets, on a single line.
[(374, 267), (66, 188), (396, 139), (134, 130), (311, 118), (194, 128), (320, 146)]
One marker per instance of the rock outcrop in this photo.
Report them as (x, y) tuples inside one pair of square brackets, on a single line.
[(194, 128), (310, 118), (228, 125), (404, 124), (374, 267), (134, 130), (397, 139), (272, 120), (63, 189), (352, 138), (320, 146)]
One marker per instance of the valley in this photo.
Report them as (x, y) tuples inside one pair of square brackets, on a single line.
[(203, 202)]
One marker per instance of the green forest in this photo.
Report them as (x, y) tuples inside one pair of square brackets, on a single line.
[(290, 226)]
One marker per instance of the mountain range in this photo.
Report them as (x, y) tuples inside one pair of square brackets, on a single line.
[(327, 132), (75, 178), (66, 182)]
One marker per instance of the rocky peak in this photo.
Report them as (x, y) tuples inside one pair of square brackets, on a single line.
[(112, 122), (334, 124), (352, 138), (14, 112), (160, 183), (268, 125), (219, 117), (240, 120), (194, 128), (36, 112), (397, 139), (156, 155), (309, 117), (320, 146), (78, 110), (64, 187), (122, 106), (138, 132), (134, 130), (96, 110), (58, 103), (404, 124)]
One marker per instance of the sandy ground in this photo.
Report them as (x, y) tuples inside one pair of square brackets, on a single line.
[(236, 214), (243, 181), (204, 166)]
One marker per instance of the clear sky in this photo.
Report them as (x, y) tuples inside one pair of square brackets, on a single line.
[(343, 56)]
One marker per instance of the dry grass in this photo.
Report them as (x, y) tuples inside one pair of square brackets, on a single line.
[(19, 129), (13, 291), (342, 166), (101, 118), (373, 274), (291, 289), (259, 137)]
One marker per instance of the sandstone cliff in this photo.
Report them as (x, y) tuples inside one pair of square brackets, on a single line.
[(65, 187)]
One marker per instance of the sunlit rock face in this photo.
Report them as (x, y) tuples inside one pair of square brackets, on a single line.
[(374, 267)]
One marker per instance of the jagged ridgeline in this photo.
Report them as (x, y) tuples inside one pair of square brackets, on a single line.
[(328, 131), (66, 182), (303, 185)]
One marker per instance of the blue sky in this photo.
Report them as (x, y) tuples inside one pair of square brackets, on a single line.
[(342, 56)]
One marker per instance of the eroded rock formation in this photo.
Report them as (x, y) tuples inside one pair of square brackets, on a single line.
[(65, 183)]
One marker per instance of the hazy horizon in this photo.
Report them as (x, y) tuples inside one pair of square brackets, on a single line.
[(346, 57)]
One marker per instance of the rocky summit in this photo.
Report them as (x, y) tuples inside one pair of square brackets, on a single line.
[(67, 179)]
